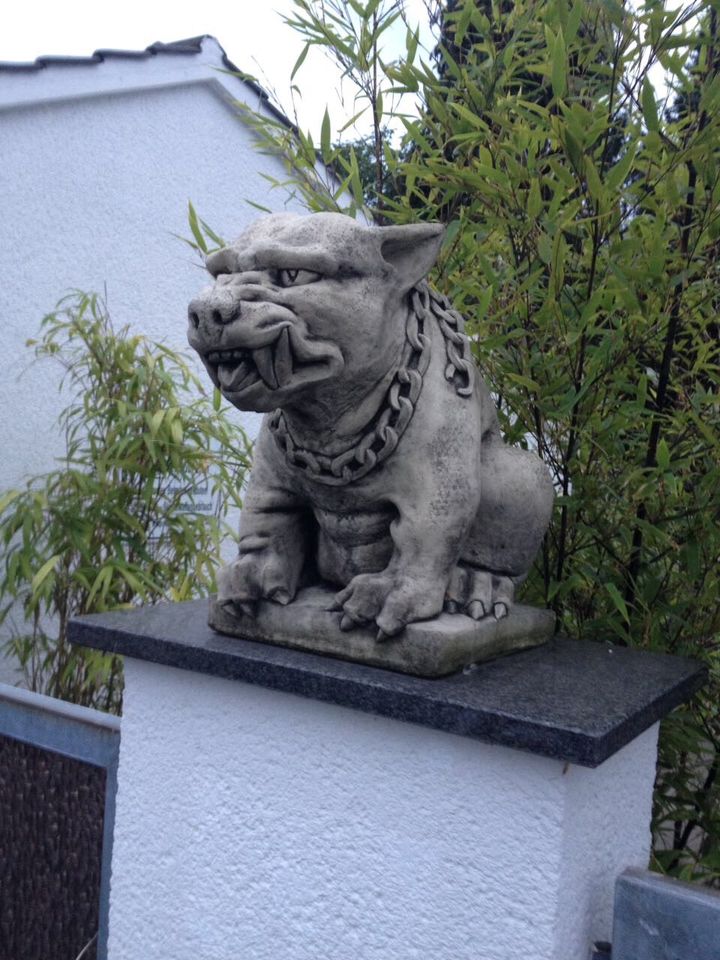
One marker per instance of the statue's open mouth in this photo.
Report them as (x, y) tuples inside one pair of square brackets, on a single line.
[(276, 359), (237, 369)]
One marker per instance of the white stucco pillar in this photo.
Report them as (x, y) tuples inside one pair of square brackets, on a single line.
[(257, 825), (278, 805)]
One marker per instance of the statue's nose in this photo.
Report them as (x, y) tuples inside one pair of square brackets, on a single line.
[(213, 309)]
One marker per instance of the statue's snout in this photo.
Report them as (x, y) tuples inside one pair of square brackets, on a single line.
[(216, 308)]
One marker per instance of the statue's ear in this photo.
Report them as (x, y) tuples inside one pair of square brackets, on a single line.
[(412, 249)]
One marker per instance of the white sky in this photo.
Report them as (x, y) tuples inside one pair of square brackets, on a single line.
[(251, 31)]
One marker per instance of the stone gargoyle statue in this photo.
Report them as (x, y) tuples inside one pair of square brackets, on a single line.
[(380, 469)]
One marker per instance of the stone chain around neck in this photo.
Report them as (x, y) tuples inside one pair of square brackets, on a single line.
[(382, 434)]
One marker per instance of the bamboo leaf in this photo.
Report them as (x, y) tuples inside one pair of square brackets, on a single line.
[(534, 203), (325, 144), (155, 421), (595, 187), (649, 106), (619, 172), (195, 228), (300, 61), (559, 66), (8, 498), (44, 572), (211, 233), (618, 601)]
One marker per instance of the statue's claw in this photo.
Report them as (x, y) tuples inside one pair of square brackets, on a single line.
[(476, 609), (280, 596), (479, 593), (500, 610), (347, 623)]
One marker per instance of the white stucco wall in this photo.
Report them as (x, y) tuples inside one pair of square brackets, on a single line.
[(254, 825), (97, 163)]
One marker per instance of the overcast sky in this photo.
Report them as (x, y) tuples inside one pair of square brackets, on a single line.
[(251, 31)]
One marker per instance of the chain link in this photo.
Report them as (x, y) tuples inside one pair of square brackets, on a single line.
[(381, 439)]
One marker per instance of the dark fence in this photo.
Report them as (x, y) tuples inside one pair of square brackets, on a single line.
[(58, 770)]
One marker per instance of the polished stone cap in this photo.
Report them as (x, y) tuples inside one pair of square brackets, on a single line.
[(574, 701)]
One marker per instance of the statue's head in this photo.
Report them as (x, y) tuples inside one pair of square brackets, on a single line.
[(299, 301)]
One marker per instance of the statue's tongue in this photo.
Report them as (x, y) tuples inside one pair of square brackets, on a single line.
[(233, 375)]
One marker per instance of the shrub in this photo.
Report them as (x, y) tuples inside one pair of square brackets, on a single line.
[(118, 522), (583, 247)]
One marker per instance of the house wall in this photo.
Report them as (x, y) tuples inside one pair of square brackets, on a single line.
[(94, 190), (97, 164)]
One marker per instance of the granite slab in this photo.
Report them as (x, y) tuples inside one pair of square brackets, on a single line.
[(427, 648), (575, 701)]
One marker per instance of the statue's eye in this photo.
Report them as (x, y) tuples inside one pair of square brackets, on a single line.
[(294, 278)]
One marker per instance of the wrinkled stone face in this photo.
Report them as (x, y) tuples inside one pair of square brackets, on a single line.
[(297, 302)]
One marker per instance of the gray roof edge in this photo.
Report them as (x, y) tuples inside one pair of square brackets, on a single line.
[(190, 45)]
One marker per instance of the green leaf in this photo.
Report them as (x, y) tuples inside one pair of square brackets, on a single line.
[(710, 95), (544, 247), (300, 61), (663, 455), (649, 106), (412, 39), (619, 172), (559, 67), (155, 422), (7, 498), (325, 145), (453, 228), (211, 233), (44, 572), (354, 179), (352, 121), (618, 601), (463, 22), (534, 202), (573, 150), (594, 183), (574, 20), (258, 206), (472, 118), (195, 228)]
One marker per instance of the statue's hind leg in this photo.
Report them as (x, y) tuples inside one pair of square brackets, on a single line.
[(515, 508)]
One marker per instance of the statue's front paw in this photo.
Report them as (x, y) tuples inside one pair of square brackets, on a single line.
[(255, 576), (389, 600)]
